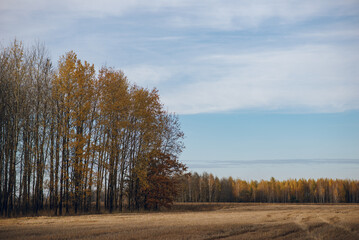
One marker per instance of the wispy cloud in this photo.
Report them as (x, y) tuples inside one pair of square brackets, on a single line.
[(209, 56), (311, 78), (214, 13), (239, 163)]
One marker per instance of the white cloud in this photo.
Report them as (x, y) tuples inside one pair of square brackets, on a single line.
[(311, 78), (186, 13)]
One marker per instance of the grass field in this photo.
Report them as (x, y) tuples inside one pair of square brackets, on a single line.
[(197, 221)]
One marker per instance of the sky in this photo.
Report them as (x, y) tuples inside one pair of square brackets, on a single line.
[(262, 88)]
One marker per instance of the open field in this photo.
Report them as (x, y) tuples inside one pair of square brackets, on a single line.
[(197, 221)]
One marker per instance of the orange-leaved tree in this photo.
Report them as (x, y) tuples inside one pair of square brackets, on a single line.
[(163, 173)]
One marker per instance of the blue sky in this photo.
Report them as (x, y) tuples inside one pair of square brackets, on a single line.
[(251, 80), (259, 145)]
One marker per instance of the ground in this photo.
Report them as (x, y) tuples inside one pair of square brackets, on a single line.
[(197, 221)]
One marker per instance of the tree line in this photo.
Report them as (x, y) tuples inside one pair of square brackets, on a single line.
[(208, 188), (76, 140)]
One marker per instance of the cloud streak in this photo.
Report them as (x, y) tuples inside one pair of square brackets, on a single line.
[(310, 78), (230, 164), (281, 169)]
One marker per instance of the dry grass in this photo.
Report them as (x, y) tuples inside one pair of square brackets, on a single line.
[(197, 221)]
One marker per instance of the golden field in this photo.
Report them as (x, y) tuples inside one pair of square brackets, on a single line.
[(197, 221)]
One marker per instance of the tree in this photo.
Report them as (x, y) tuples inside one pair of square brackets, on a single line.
[(162, 180), (114, 110)]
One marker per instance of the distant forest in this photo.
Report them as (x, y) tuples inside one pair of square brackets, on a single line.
[(207, 188), (73, 140)]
